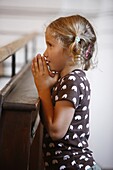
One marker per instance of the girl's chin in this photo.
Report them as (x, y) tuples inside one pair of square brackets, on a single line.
[(52, 69)]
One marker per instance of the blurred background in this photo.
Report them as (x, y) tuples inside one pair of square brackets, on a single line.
[(25, 16)]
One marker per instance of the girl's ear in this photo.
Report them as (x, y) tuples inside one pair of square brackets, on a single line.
[(71, 60), (67, 52)]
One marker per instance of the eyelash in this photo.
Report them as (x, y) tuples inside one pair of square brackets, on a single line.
[(49, 44)]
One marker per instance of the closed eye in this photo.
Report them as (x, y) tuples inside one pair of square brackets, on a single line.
[(49, 44)]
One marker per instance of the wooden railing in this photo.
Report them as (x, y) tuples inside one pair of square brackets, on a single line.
[(11, 49)]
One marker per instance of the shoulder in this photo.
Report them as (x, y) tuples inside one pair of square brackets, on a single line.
[(75, 80), (70, 87), (74, 77)]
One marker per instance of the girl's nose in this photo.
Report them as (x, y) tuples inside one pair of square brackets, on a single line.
[(45, 54)]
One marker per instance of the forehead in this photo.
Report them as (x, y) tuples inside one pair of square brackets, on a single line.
[(51, 36)]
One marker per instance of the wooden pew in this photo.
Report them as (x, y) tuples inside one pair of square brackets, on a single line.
[(20, 127)]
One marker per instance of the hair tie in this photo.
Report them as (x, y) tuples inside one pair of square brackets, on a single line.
[(77, 39), (88, 51)]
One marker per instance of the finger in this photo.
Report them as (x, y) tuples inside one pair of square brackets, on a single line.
[(37, 57), (45, 65), (32, 67), (35, 62), (40, 64), (51, 74)]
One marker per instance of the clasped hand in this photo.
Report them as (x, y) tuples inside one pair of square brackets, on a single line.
[(44, 79)]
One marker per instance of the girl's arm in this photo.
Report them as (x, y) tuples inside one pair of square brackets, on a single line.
[(56, 119)]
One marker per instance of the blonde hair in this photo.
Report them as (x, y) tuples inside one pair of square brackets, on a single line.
[(76, 33)]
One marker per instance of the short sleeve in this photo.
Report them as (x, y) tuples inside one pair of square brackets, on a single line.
[(69, 90)]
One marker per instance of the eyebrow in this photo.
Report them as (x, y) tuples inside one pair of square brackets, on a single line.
[(50, 42)]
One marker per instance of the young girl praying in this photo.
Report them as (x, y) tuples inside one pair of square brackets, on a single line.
[(64, 92)]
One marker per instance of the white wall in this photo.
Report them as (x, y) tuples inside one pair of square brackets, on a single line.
[(102, 95), (36, 14)]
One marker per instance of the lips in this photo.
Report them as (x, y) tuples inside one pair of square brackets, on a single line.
[(47, 62)]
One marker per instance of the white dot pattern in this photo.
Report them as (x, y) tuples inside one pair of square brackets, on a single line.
[(72, 150)]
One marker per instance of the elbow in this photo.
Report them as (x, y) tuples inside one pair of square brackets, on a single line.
[(56, 135)]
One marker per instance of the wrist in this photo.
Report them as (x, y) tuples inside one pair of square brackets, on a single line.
[(44, 93)]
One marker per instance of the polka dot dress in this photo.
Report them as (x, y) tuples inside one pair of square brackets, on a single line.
[(71, 152)]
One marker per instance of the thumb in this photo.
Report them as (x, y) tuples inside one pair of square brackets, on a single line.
[(52, 73), (54, 76)]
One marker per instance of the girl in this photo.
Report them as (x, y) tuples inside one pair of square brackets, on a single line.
[(64, 92)]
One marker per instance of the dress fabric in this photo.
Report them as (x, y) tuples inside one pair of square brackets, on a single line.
[(71, 152)]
